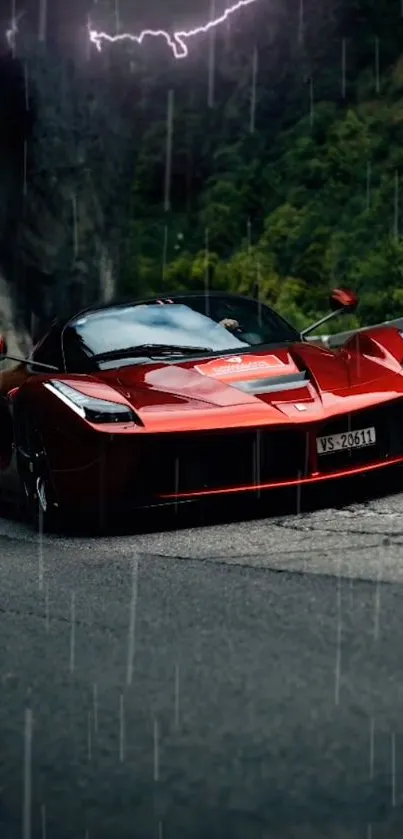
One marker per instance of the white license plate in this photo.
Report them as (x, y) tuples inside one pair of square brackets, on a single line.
[(347, 440)]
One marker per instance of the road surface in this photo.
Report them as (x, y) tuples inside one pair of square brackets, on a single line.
[(233, 680)]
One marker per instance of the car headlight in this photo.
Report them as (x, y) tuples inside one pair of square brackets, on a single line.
[(90, 407)]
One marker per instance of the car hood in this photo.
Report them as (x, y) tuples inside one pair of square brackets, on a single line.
[(302, 382)]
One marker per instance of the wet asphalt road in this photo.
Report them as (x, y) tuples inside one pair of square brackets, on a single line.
[(238, 680)]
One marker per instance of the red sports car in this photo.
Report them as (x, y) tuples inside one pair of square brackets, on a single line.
[(156, 402)]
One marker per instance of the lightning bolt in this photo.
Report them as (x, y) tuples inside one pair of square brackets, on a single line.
[(175, 41)]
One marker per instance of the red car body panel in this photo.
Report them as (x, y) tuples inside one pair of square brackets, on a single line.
[(197, 410)]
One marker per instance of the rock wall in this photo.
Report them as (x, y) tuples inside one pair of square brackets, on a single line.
[(64, 158)]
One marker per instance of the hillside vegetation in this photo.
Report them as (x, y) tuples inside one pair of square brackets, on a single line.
[(294, 196)]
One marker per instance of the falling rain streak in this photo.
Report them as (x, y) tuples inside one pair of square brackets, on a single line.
[(156, 751), (396, 219), (212, 56), (377, 600), (121, 729), (377, 76), (371, 748), (73, 633), (41, 565), (75, 224), (338, 640), (43, 821), (95, 707), (311, 101), (343, 67), (369, 176), (177, 687), (298, 493), (25, 165), (249, 234), (168, 163), (117, 18), (89, 735), (255, 63), (165, 252), (47, 608), (301, 25), (27, 801), (132, 622), (393, 768), (206, 268), (177, 475), (42, 20)]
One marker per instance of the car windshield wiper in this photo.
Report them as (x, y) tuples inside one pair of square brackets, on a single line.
[(151, 350)]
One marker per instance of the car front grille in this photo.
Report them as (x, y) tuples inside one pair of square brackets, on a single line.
[(214, 460), (198, 461)]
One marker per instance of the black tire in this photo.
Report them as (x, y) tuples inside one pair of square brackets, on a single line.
[(36, 484)]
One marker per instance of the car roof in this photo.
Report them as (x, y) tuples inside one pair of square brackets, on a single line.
[(121, 303)]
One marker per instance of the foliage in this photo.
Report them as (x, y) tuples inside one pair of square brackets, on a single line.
[(306, 201)]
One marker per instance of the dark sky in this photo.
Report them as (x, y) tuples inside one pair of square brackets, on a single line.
[(133, 13), (66, 19)]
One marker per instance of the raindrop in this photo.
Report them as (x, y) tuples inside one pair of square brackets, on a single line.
[(396, 221), (165, 253), (156, 751), (311, 101), (27, 775), (338, 640), (75, 224), (25, 165), (43, 821), (301, 22), (121, 729), (177, 687), (343, 67), (42, 20), (253, 95), (95, 707), (377, 76), (73, 632), (377, 603), (169, 136), (212, 52), (369, 175), (132, 622), (47, 608), (117, 17), (393, 760), (371, 748), (177, 473), (206, 270), (41, 564), (89, 737), (249, 234)]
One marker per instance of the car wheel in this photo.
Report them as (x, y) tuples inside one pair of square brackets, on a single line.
[(36, 485)]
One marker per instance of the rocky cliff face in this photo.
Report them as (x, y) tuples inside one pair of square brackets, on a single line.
[(64, 158)]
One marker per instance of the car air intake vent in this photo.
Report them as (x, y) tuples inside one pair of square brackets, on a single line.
[(273, 383)]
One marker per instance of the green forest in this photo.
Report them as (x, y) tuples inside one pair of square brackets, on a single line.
[(292, 184)]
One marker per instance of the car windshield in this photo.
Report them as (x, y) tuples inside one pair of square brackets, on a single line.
[(212, 323)]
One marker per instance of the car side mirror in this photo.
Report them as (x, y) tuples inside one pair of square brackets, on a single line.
[(3, 347), (343, 299)]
